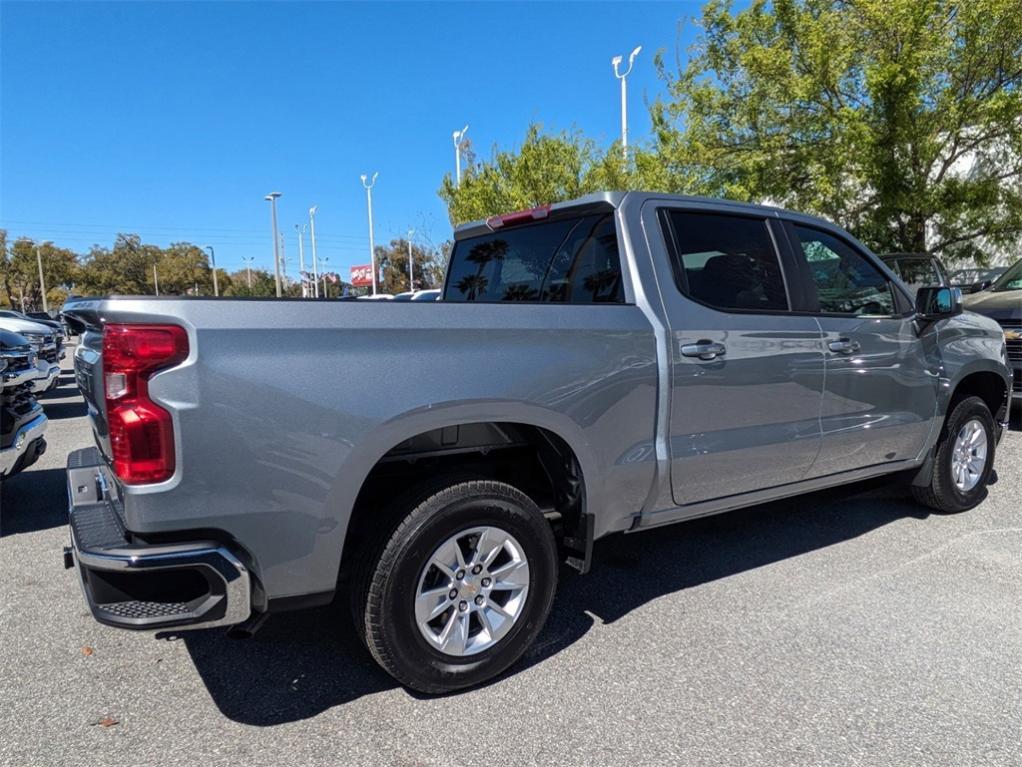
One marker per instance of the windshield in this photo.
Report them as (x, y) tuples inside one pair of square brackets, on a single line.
[(1011, 279)]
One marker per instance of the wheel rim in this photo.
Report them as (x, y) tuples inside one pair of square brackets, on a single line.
[(969, 455), (472, 591)]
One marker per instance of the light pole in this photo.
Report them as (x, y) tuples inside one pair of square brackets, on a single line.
[(324, 278), (248, 269), (283, 261), (411, 283), (212, 258), (272, 197), (301, 258), (156, 280), (369, 201), (458, 136), (616, 62), (42, 282), (315, 261)]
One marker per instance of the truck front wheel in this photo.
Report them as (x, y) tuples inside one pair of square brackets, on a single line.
[(963, 460), (460, 588)]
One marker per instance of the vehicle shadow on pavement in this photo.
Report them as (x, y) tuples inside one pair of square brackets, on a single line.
[(34, 500), (300, 664)]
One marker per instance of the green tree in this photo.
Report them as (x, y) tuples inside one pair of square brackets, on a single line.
[(899, 119), (263, 284), (546, 168), (427, 266), (19, 272)]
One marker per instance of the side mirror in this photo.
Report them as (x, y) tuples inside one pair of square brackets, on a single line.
[(937, 303)]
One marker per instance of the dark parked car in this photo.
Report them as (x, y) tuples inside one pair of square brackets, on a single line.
[(917, 270), (22, 422), (1003, 302), (975, 280)]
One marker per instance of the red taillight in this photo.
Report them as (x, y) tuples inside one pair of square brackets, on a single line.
[(141, 432), (519, 217)]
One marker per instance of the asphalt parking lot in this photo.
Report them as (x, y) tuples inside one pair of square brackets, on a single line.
[(844, 628)]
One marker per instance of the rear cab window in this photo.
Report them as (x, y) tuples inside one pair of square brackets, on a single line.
[(727, 262), (572, 260)]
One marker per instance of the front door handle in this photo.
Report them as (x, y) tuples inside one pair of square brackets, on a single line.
[(844, 346), (704, 350)]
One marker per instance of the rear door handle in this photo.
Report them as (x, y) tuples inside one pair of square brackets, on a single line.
[(704, 350), (844, 346)]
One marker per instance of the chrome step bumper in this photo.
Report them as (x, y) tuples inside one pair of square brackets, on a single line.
[(136, 585)]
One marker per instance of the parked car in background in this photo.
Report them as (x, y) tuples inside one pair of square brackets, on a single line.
[(1002, 302), (976, 279), (22, 421), (917, 270), (433, 294), (614, 363), (46, 347)]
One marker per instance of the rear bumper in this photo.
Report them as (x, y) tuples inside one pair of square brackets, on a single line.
[(131, 584), (28, 444)]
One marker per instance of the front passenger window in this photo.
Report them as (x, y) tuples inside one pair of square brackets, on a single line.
[(846, 282)]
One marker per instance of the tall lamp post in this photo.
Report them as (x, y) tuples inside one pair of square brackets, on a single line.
[(248, 269), (411, 282), (315, 261), (458, 136), (272, 197), (301, 258), (369, 202), (212, 258), (42, 282), (616, 62)]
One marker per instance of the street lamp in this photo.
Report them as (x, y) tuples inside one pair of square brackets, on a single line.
[(272, 197), (369, 201), (616, 62), (458, 137), (411, 283), (301, 257), (212, 258), (248, 269), (42, 283), (315, 262)]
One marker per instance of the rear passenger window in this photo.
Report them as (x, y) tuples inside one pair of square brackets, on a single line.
[(728, 262), (566, 260), (846, 282)]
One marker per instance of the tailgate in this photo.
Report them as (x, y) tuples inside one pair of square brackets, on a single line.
[(89, 377)]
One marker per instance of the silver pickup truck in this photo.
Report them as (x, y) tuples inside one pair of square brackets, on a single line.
[(609, 364)]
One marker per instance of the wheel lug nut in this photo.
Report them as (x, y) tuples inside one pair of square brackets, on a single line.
[(486, 583), (463, 606), (453, 594), (460, 574), (479, 600), (477, 569)]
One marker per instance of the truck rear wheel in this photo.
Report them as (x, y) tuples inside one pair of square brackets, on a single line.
[(460, 588), (963, 461)]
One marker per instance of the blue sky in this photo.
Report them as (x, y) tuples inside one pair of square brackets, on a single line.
[(173, 120)]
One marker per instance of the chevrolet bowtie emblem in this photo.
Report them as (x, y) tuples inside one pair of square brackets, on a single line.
[(1013, 335)]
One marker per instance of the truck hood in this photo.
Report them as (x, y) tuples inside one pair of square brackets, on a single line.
[(9, 340), (999, 305), (25, 326)]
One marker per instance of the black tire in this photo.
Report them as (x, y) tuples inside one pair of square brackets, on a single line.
[(384, 590), (942, 494)]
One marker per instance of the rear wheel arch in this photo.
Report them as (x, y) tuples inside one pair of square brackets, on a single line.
[(531, 457)]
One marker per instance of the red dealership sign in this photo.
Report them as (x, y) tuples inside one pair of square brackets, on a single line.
[(362, 276)]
